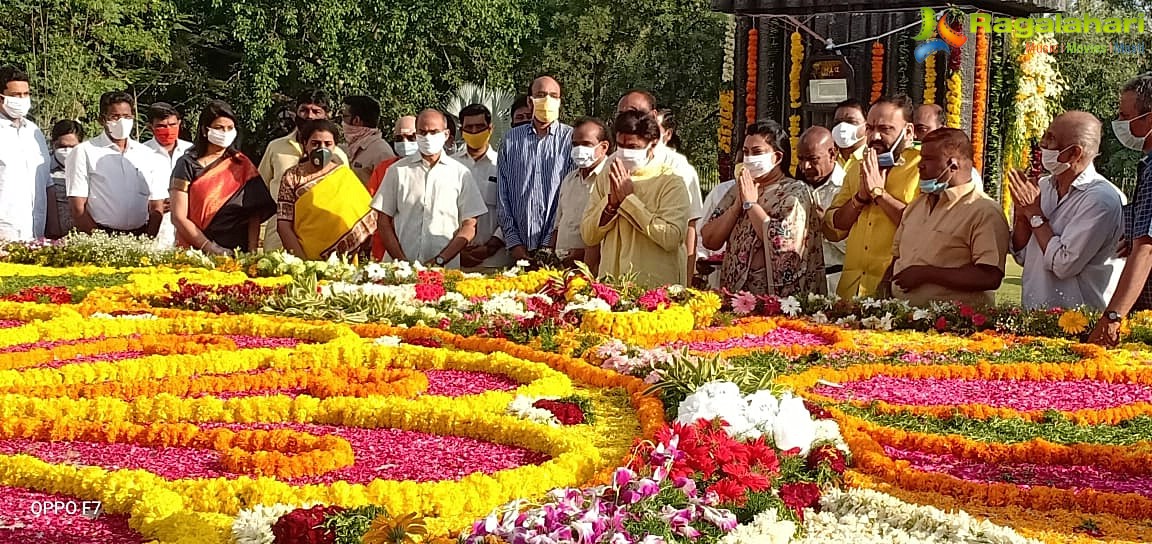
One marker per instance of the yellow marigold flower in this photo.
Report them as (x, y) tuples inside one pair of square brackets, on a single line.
[(1073, 322)]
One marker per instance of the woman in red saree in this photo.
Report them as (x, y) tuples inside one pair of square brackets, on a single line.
[(218, 197)]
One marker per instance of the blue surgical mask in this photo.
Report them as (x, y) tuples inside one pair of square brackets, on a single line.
[(887, 159), (934, 185)]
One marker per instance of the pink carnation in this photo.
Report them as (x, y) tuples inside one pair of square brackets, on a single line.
[(653, 299), (606, 293)]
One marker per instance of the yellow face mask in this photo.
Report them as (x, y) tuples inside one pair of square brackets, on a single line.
[(478, 140), (546, 109)]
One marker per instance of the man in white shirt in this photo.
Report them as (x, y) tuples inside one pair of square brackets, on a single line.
[(818, 168), (486, 251), (165, 122), (366, 146), (115, 183), (27, 197), (644, 102), (590, 145), (427, 202), (1066, 226)]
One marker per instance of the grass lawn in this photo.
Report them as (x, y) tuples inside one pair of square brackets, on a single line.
[(1009, 292)]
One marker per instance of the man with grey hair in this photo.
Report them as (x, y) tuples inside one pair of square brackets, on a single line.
[(1133, 126), (1066, 226)]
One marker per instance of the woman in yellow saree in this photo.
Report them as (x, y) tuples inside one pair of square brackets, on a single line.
[(218, 199), (324, 208)]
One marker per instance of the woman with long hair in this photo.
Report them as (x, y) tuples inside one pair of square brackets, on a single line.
[(218, 197)]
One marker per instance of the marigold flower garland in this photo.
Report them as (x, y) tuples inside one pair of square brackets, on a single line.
[(979, 98), (877, 71), (753, 67), (930, 79), (797, 65)]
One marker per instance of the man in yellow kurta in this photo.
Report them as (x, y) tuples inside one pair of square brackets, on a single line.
[(870, 204), (638, 209)]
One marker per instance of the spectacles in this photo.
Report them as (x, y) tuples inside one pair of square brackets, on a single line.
[(404, 137)]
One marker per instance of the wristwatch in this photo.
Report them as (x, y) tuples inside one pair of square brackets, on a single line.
[(1112, 316), (439, 261), (748, 205), (1036, 221), (877, 192)]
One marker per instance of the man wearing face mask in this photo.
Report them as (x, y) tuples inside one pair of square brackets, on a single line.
[(869, 206), (363, 144), (930, 117), (1065, 228), (533, 160), (404, 144), (165, 121), (819, 169), (284, 153), (116, 184), (486, 251), (638, 209), (590, 146), (953, 241), (428, 203), (1133, 127), (848, 132), (66, 135), (643, 102), (27, 196)]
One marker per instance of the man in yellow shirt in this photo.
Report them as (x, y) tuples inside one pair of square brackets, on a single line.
[(284, 153), (869, 206)]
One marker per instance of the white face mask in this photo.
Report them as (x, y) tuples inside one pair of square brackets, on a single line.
[(61, 154), (17, 107), (222, 138), (758, 165), (845, 135), (633, 158), (583, 156), (1050, 158), (120, 129), (1123, 131), (405, 148), (431, 144)]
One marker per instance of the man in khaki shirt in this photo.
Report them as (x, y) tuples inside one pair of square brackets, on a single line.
[(953, 240), (363, 143), (284, 153)]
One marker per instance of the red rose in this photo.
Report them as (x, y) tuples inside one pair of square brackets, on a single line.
[(979, 320), (567, 413), (817, 411), (830, 455), (303, 526), (941, 324), (800, 495), (429, 292)]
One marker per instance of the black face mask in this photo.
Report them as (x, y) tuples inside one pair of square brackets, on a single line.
[(320, 157), (521, 123)]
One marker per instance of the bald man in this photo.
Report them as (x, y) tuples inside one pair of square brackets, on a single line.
[(1066, 225), (928, 117), (642, 101), (818, 167), (534, 159), (427, 202), (404, 144)]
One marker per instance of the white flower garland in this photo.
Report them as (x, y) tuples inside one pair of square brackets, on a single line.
[(521, 407), (254, 525)]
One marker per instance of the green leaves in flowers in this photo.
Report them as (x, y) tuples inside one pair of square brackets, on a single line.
[(350, 525), (79, 286), (306, 299), (687, 372), (1054, 428)]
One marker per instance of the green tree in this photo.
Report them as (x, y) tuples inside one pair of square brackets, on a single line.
[(1094, 80)]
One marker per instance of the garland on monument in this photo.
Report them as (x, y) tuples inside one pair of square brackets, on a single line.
[(797, 52), (750, 84), (979, 98), (877, 71)]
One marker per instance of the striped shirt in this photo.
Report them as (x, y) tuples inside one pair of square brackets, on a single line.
[(530, 171)]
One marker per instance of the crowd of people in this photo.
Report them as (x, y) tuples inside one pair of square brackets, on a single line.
[(886, 202)]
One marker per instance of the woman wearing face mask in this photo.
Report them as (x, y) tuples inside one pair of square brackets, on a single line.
[(66, 135), (769, 222), (218, 197), (324, 209), (638, 209)]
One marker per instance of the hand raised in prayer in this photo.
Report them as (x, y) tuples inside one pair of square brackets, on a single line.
[(748, 190), (621, 183), (871, 176), (1025, 193)]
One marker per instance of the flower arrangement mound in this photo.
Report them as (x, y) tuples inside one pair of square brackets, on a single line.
[(180, 420)]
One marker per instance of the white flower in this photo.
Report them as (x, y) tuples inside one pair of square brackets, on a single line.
[(455, 299), (254, 526), (886, 322), (675, 290), (390, 341), (790, 306), (920, 314), (765, 528), (870, 322), (793, 427), (522, 263), (290, 259), (850, 320), (819, 318), (522, 407), (871, 303)]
